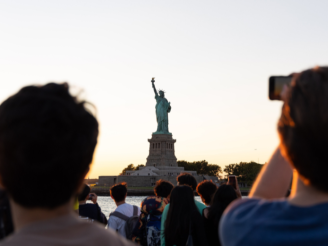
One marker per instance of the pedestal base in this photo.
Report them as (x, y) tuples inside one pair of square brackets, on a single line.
[(161, 151)]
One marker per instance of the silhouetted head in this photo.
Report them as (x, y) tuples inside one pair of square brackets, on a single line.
[(206, 190), (187, 179), (47, 141), (223, 196), (163, 188), (161, 93), (119, 191), (303, 126)]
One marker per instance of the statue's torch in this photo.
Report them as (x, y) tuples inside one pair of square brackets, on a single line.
[(153, 79)]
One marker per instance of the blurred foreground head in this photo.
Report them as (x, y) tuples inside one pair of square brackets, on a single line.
[(303, 126), (47, 141)]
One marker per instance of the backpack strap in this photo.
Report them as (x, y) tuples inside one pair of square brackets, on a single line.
[(119, 215), (135, 210)]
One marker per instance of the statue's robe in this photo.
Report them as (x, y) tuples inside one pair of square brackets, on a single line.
[(162, 109)]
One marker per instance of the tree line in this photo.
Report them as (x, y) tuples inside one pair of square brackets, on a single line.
[(246, 172), (201, 167), (131, 167)]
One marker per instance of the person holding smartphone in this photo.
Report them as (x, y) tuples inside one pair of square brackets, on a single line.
[(232, 180), (92, 210), (268, 217)]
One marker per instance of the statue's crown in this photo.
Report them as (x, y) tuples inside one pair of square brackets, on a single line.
[(161, 91)]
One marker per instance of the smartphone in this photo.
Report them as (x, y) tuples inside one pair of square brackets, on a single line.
[(232, 181), (276, 84), (90, 197)]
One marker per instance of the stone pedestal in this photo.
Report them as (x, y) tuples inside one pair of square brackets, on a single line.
[(161, 151)]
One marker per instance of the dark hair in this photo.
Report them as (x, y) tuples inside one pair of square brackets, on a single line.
[(206, 189), (303, 126), (6, 221), (187, 179), (84, 193), (46, 135), (163, 188), (223, 196), (181, 211), (119, 191)]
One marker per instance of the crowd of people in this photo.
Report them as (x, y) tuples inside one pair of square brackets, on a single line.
[(47, 142), (170, 216)]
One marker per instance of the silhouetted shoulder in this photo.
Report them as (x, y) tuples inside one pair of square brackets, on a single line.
[(277, 222), (66, 230)]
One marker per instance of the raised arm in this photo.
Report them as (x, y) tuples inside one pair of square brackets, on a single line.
[(156, 94), (266, 185)]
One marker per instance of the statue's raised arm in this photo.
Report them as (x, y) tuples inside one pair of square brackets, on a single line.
[(153, 81)]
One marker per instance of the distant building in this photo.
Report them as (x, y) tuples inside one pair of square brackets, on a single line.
[(161, 164)]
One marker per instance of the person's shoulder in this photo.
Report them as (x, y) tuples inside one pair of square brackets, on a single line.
[(80, 233), (102, 236), (200, 205), (166, 209), (254, 204), (98, 235), (148, 199), (251, 210)]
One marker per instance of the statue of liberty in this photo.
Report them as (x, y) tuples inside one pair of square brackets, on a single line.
[(163, 107)]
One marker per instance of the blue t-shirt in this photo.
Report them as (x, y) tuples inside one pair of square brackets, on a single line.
[(262, 222)]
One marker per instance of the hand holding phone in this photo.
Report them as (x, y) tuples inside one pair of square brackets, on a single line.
[(93, 197), (278, 86), (232, 180)]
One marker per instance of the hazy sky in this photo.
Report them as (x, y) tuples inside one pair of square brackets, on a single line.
[(213, 59)]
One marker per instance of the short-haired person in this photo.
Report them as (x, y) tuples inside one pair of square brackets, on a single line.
[(267, 218), (206, 190), (182, 179), (118, 193), (148, 228), (47, 141), (89, 210)]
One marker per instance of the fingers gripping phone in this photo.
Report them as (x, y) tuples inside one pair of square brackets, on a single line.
[(276, 84)]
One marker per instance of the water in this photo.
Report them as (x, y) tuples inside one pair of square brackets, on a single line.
[(107, 204)]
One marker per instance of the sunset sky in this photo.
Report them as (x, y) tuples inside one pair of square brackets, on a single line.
[(213, 59)]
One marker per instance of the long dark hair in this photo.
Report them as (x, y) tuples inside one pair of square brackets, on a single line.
[(224, 195), (177, 223)]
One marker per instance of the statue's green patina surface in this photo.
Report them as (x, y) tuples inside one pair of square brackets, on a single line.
[(163, 107)]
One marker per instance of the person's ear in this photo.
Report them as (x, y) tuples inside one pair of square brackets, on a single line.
[(112, 197)]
